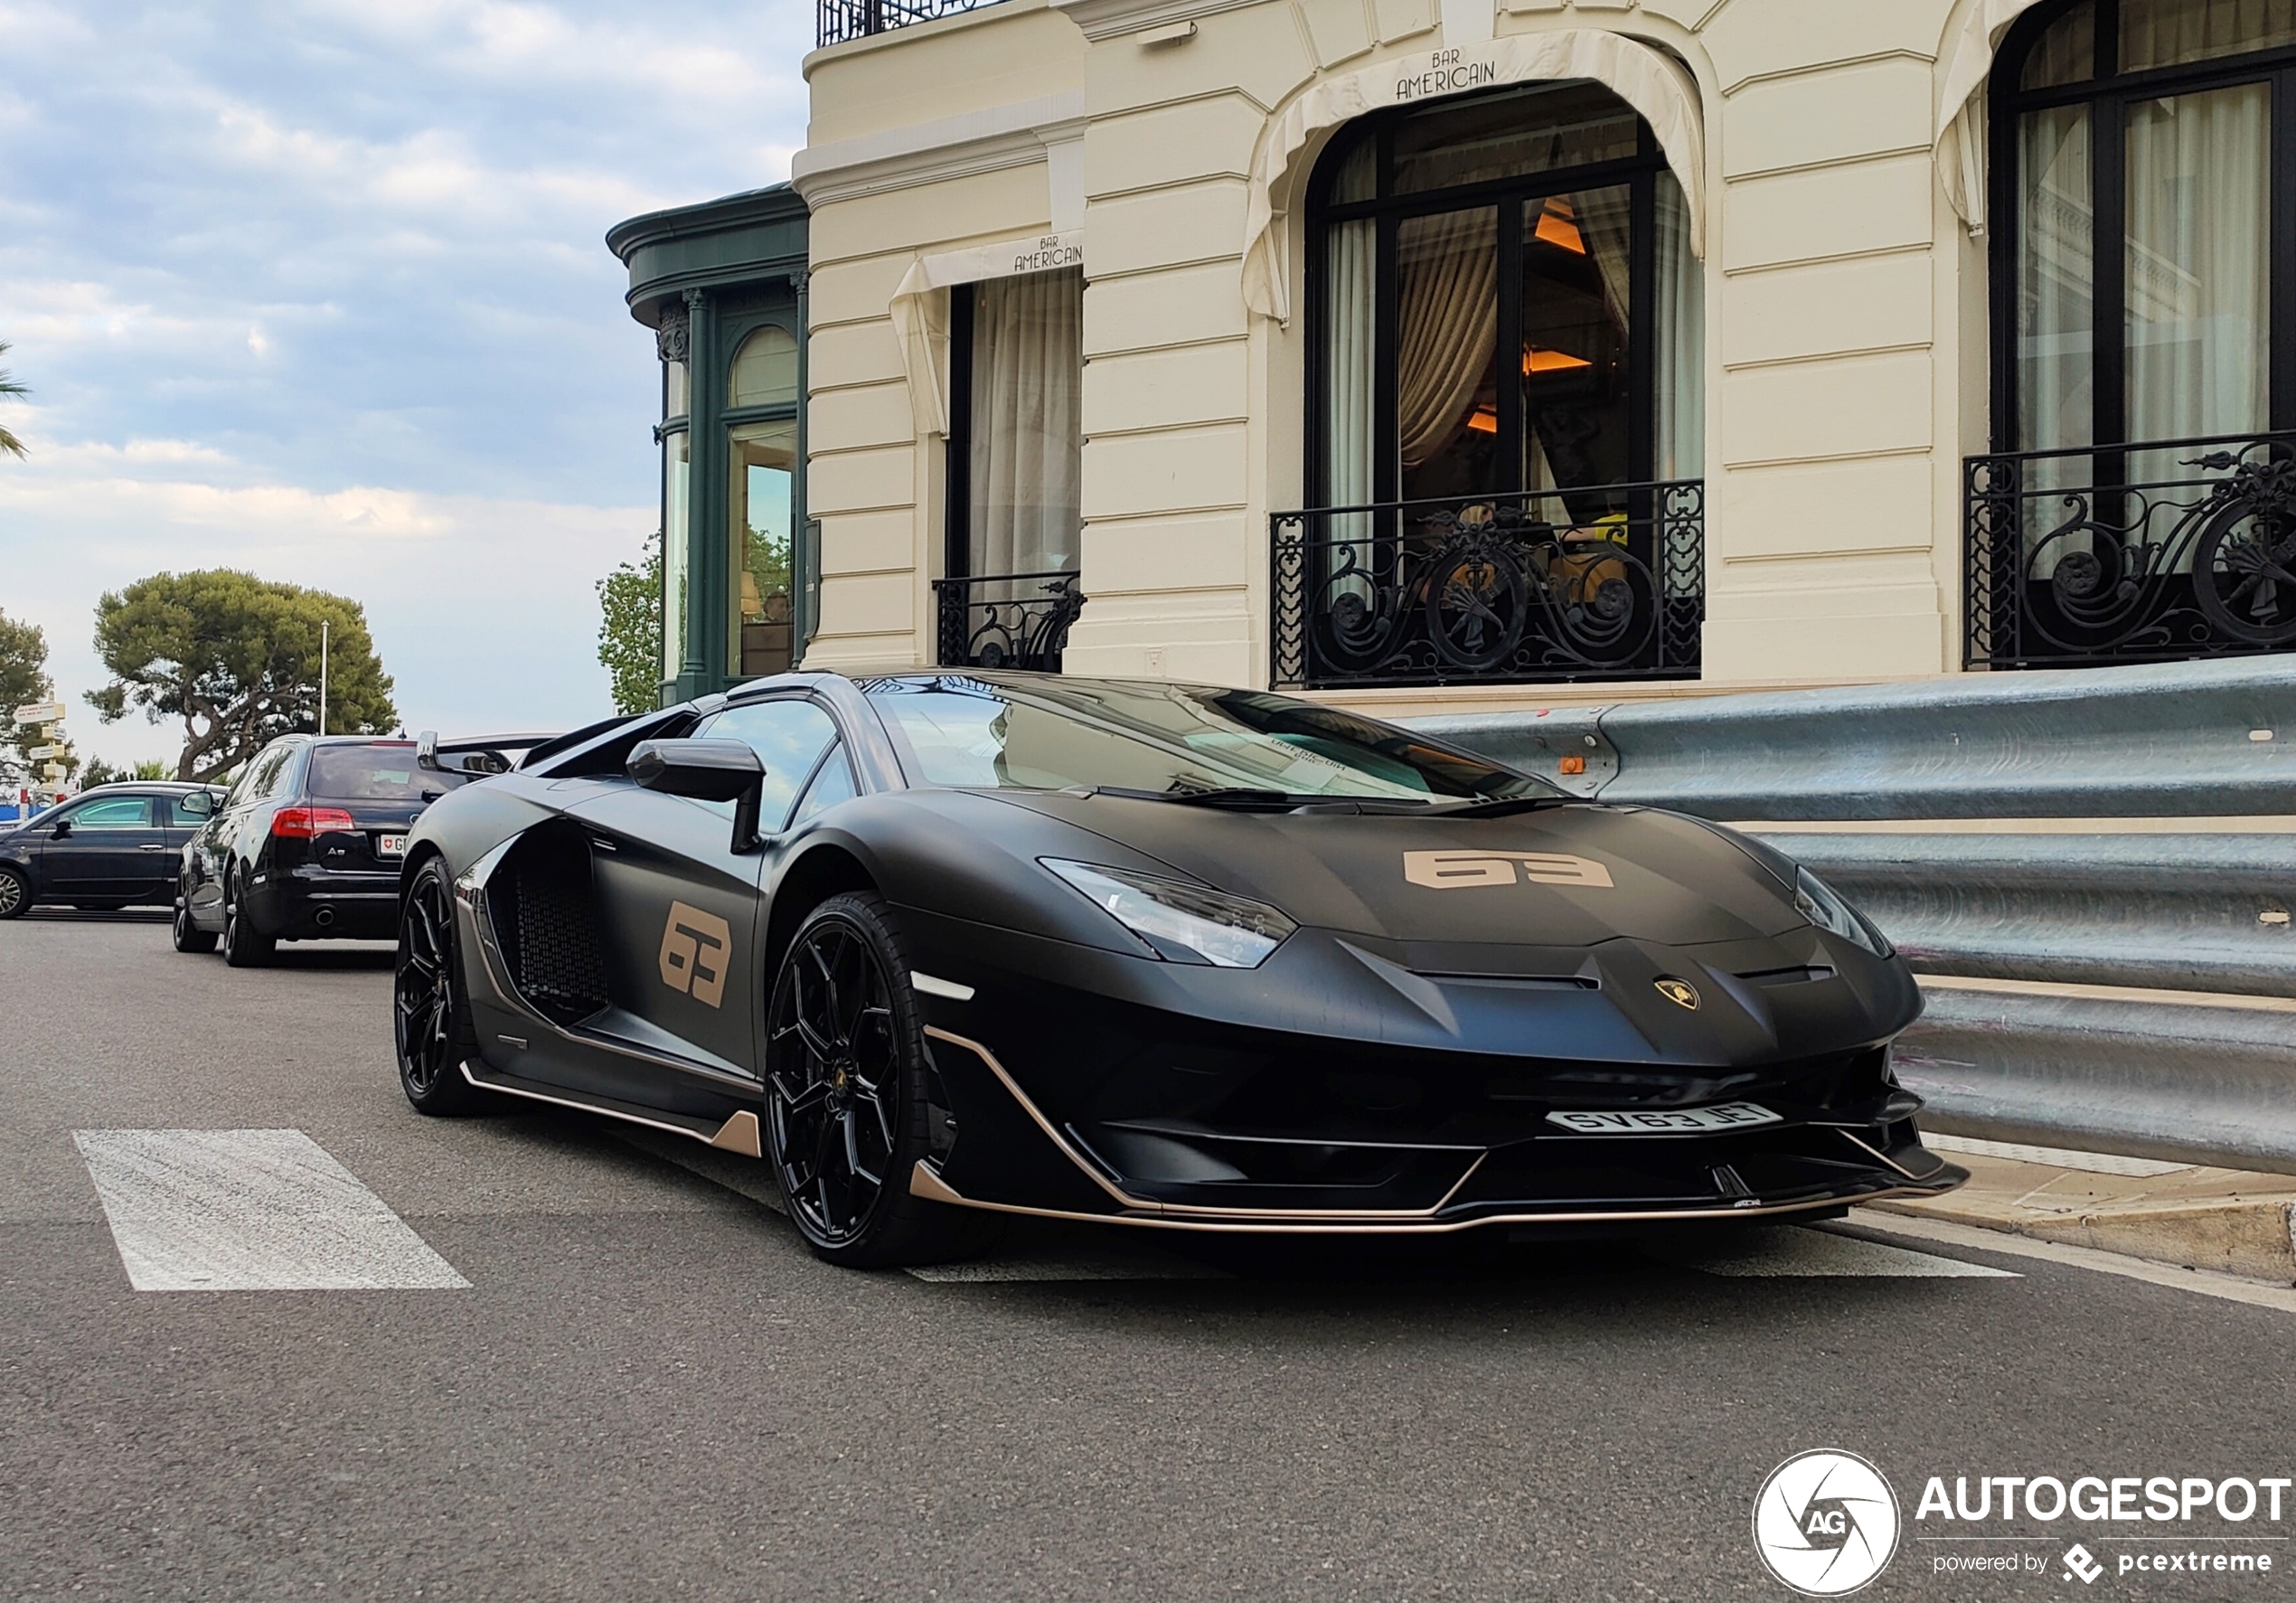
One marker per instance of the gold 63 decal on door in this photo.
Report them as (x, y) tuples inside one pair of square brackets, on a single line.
[(693, 953)]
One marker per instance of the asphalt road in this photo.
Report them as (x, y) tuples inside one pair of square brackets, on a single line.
[(650, 1390)]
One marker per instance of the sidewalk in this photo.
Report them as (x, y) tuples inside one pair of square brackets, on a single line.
[(2227, 1220)]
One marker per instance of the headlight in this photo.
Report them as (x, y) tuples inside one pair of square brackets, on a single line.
[(1816, 900), (1225, 931)]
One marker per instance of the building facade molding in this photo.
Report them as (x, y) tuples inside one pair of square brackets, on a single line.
[(1013, 135)]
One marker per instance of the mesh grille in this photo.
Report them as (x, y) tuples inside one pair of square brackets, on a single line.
[(559, 953)]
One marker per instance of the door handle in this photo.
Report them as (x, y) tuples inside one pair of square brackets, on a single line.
[(151, 848)]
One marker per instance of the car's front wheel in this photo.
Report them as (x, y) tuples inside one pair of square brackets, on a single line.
[(243, 946), (189, 935), (430, 1023), (846, 1104), (15, 895)]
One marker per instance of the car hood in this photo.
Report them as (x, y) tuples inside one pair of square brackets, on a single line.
[(1572, 874)]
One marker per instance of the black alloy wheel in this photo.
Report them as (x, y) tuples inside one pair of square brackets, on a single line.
[(189, 935), (15, 896), (243, 947), (430, 1023), (846, 1103)]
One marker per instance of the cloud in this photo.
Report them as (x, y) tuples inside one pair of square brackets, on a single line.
[(317, 287)]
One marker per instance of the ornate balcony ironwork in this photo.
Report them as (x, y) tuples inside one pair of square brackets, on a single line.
[(1006, 620), (2150, 551), (1600, 582), (841, 20)]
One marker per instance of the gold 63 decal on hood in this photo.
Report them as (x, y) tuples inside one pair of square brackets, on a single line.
[(693, 953), (1454, 871)]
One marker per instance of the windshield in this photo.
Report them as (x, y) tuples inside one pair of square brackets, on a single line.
[(1174, 739), (384, 771)]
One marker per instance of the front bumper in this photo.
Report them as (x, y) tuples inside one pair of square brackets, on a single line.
[(1071, 1089)]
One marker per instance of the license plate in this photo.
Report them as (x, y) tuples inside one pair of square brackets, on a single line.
[(391, 845), (1666, 1121)]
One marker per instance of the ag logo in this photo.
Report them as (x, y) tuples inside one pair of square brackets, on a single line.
[(693, 953), (1679, 992), (1825, 1522), (1457, 871)]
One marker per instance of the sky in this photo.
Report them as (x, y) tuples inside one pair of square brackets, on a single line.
[(318, 289)]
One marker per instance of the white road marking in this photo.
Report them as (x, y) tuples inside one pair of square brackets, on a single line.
[(2230, 1287), (1797, 1252), (250, 1210)]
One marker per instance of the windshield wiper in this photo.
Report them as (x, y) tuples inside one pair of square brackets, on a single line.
[(1241, 798), (1501, 807)]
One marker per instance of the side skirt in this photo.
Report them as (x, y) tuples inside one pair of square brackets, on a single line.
[(738, 1134)]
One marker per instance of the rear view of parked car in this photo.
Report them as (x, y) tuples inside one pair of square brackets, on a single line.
[(306, 846), (111, 847)]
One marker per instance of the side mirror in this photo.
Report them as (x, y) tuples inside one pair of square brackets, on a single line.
[(63, 829), (196, 804), (705, 770)]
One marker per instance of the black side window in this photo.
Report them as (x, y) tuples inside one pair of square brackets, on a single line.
[(256, 782), (832, 785), (788, 737)]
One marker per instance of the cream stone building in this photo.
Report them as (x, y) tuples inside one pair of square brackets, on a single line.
[(1417, 353)]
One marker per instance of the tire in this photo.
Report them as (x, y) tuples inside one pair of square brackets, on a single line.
[(15, 894), (846, 1082), (243, 947), (190, 937), (430, 1026)]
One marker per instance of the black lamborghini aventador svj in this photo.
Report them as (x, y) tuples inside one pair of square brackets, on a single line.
[(1157, 954)]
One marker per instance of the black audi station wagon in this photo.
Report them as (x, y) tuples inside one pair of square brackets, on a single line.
[(306, 846)]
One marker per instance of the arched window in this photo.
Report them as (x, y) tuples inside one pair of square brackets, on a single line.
[(765, 370), (2143, 281), (2136, 139), (1541, 223), (1508, 332)]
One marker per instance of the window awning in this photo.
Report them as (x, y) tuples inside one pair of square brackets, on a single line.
[(1960, 147), (920, 312), (1644, 78)]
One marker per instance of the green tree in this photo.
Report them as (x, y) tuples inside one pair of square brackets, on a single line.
[(629, 633), (237, 659), (23, 679), (9, 444), (99, 772)]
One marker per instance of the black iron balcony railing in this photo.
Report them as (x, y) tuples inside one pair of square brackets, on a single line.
[(2156, 550), (1602, 582), (1006, 620), (854, 19)]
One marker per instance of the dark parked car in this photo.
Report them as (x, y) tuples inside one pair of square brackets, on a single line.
[(1163, 955), (111, 847), (307, 845)]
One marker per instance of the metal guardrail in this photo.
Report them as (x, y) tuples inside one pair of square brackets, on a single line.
[(2175, 739), (2022, 876)]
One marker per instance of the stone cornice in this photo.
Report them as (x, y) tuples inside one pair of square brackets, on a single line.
[(1114, 19), (1008, 136)]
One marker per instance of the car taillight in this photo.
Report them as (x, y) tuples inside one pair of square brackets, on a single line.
[(300, 823)]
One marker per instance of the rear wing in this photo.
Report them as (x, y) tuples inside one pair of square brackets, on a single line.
[(478, 755)]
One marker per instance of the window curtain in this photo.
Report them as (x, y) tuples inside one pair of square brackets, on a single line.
[(1680, 376), (2197, 324), (2167, 33), (1447, 318), (1027, 436), (1350, 273), (2057, 287)]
